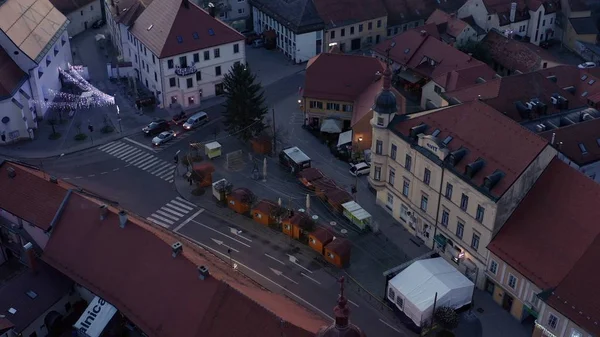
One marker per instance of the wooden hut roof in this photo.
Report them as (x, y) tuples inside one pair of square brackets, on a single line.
[(323, 234), (266, 206), (325, 184), (311, 174), (338, 196), (242, 194), (339, 246), (301, 220)]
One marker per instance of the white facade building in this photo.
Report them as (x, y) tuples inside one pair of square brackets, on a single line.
[(81, 13), (180, 60), (34, 35)]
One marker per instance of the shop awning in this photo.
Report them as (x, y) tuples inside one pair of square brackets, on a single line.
[(331, 126), (441, 240), (95, 317), (345, 138)]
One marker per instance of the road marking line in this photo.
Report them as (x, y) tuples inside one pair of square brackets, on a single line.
[(136, 156), (127, 153), (353, 303), (142, 159), (272, 258), (294, 260), (166, 209), (139, 144), (170, 180), (166, 176), (66, 178), (225, 235), (390, 326), (159, 168), (115, 145), (185, 201), (167, 215), (186, 221), (106, 145), (114, 170), (161, 218), (91, 175), (221, 243), (164, 172), (225, 256), (178, 203), (238, 233), (158, 222), (78, 177), (119, 149), (104, 173), (149, 163), (127, 165), (310, 278), (177, 208)]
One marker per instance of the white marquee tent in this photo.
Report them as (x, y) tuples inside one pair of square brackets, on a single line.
[(413, 290)]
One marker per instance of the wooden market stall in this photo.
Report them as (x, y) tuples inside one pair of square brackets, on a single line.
[(202, 173), (337, 252), (336, 197), (298, 225), (310, 175), (319, 238), (266, 212), (240, 200), (357, 215), (323, 185)]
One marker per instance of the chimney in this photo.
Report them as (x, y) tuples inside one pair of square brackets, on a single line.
[(453, 15), (11, 172), (211, 9), (203, 273), (30, 256), (334, 49), (513, 11), (177, 248), (122, 219), (553, 138), (423, 33), (103, 212)]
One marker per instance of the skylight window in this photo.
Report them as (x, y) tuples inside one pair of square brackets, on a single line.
[(447, 140), (179, 39), (582, 148), (584, 94), (32, 294), (584, 77), (150, 27), (195, 35), (407, 50), (435, 132), (591, 82), (211, 32)]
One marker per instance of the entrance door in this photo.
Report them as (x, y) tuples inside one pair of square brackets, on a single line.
[(507, 302), (489, 286), (355, 44), (85, 25)]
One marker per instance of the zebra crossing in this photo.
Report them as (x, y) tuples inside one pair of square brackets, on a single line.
[(141, 159), (171, 212)]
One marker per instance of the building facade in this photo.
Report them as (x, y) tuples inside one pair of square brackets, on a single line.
[(81, 13), (357, 36), (448, 194)]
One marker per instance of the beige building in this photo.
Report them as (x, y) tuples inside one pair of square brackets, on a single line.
[(453, 176), (552, 279)]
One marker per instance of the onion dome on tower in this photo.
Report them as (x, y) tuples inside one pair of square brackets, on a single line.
[(341, 327), (385, 101)]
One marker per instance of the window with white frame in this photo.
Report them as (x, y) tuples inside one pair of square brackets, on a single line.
[(576, 333), (512, 281), (552, 321), (377, 173), (390, 201), (493, 267)]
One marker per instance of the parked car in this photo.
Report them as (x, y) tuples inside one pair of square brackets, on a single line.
[(549, 43), (359, 169), (250, 37), (98, 23), (586, 65), (156, 127), (196, 120), (179, 118), (163, 137), (258, 43)]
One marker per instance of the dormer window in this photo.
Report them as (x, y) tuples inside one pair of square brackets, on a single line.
[(447, 140), (435, 132), (48, 60)]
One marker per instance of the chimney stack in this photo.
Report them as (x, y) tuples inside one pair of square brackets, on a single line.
[(203, 273), (453, 15), (11, 172), (423, 33), (513, 11), (103, 212), (212, 10), (122, 219), (30, 256), (553, 138), (177, 248)]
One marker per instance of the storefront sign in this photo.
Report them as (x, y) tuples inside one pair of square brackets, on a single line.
[(95, 318)]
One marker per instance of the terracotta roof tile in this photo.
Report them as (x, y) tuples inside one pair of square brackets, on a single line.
[(364, 103), (586, 82), (585, 133), (336, 13), (461, 78), (164, 23), (453, 25), (515, 55), (299, 16), (35, 200), (323, 234), (265, 206), (126, 265), (503, 93), (561, 212), (68, 6), (311, 174), (11, 76), (405, 11), (340, 246), (5, 324), (340, 77), (242, 194), (503, 144)]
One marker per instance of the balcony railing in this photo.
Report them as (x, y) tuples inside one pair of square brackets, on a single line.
[(185, 71)]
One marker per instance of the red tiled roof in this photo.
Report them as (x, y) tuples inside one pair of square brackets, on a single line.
[(461, 78), (311, 174), (454, 26), (515, 55), (68, 6), (265, 206), (405, 11), (503, 144), (5, 324), (577, 294), (503, 93), (32, 199), (585, 81), (365, 101), (323, 234), (337, 13), (172, 20), (560, 212), (126, 266), (586, 133), (11, 76), (415, 49), (340, 77), (339, 246)]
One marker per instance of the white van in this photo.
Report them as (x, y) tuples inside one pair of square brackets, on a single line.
[(360, 169), (196, 120)]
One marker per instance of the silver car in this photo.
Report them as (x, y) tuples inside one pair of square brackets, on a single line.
[(163, 137)]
